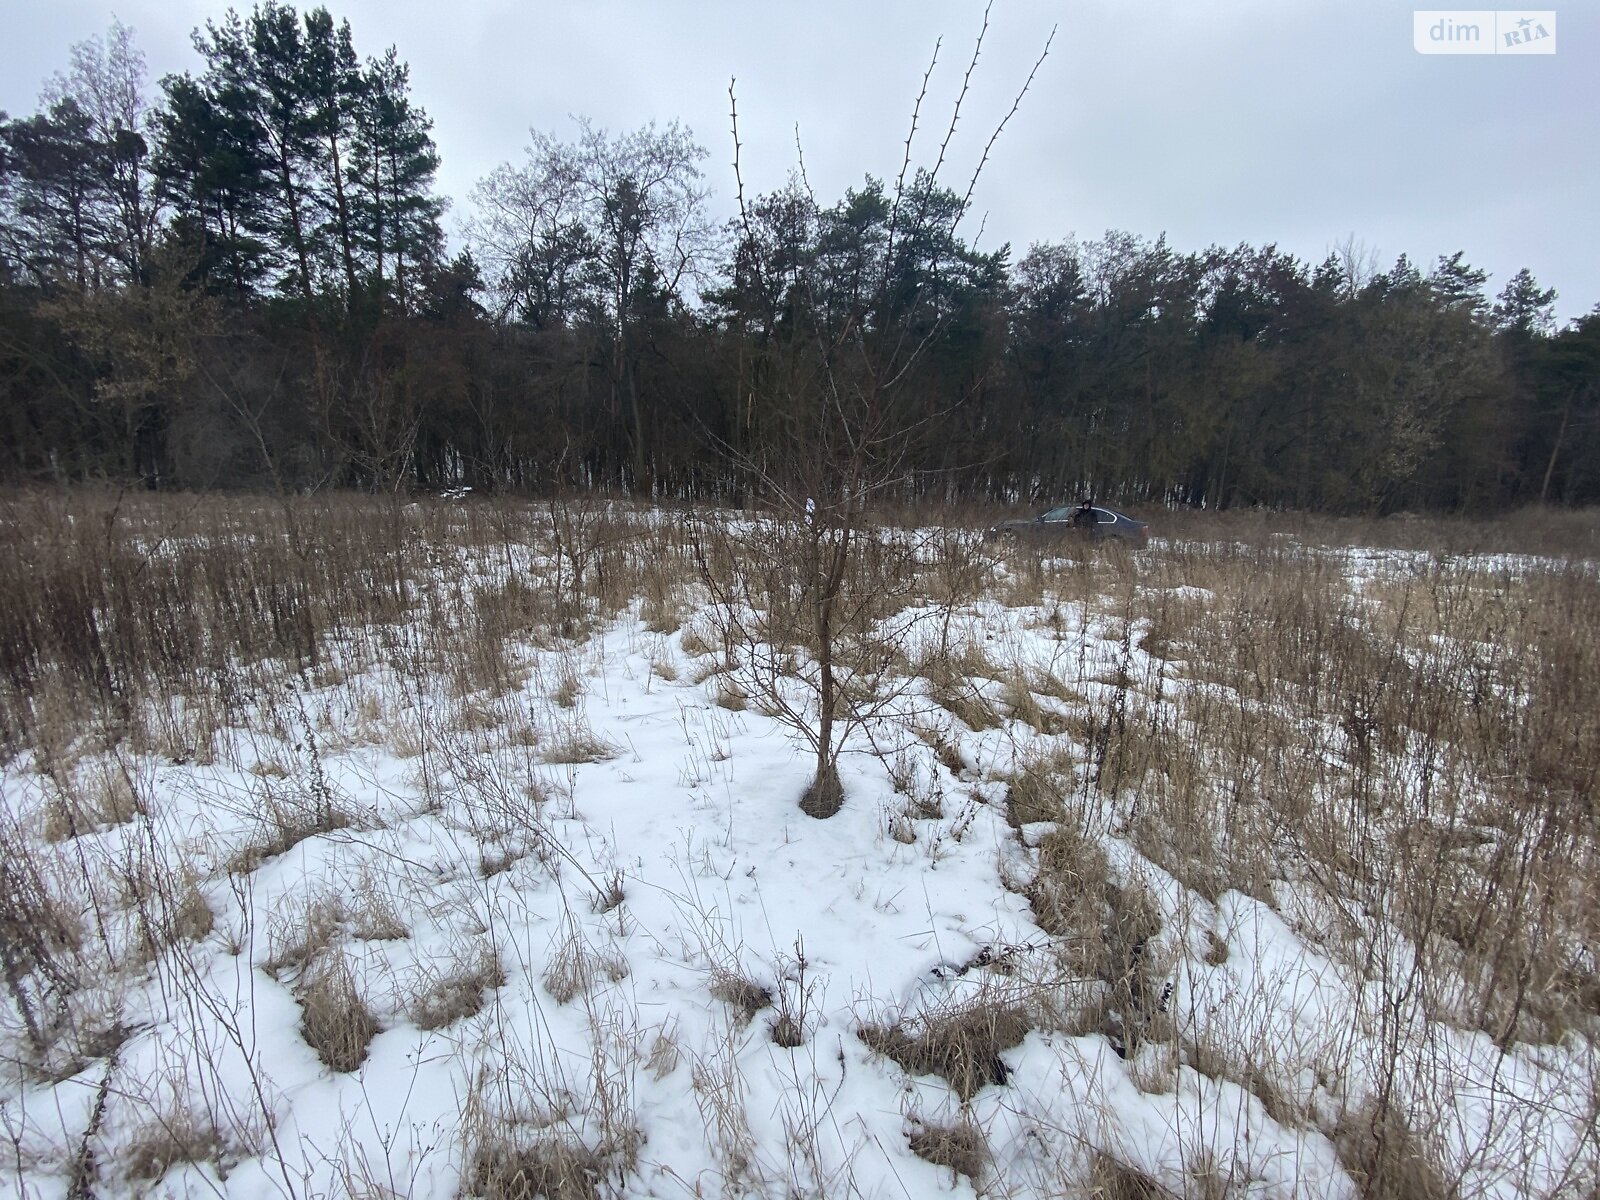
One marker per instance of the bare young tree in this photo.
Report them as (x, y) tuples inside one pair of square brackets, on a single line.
[(843, 418)]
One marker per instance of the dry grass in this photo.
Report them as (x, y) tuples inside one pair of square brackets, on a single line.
[(526, 1136), (739, 992), (551, 1168), (958, 1145), (115, 607), (569, 687), (371, 914), (578, 744), (1112, 1179), (334, 1020), (577, 966), (692, 642), (1040, 790), (955, 683), (731, 696), (1020, 698), (108, 800), (168, 907), (1068, 892), (961, 1044), (1135, 973), (945, 750), (459, 992), (967, 701), (1413, 737), (285, 822), (609, 893), (40, 939), (303, 933), (1225, 1057), (1422, 735), (787, 1032), (665, 1054), (1387, 1158), (168, 1139)]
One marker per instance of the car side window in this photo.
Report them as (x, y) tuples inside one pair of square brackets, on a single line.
[(1057, 514), (1104, 517)]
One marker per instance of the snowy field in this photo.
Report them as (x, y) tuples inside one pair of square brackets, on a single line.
[(1220, 868)]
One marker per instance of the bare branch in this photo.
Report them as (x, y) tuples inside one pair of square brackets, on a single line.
[(738, 176), (966, 82), (800, 156), (993, 137), (905, 163)]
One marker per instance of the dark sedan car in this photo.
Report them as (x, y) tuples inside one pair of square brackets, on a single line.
[(1062, 523)]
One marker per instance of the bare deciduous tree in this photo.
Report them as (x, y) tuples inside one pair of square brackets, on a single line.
[(599, 228), (845, 419)]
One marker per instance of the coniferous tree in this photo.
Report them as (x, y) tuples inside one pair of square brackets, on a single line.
[(212, 167), (58, 213), (1524, 306), (331, 75), (250, 283), (394, 210)]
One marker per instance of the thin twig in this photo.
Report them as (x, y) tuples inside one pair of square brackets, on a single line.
[(993, 137)]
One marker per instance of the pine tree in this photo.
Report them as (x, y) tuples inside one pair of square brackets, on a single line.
[(296, 164), (1525, 307), (212, 167), (1459, 286), (334, 85), (394, 211), (57, 198)]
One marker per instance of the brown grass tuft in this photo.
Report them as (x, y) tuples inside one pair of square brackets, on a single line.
[(552, 1168), (787, 1032), (952, 677), (108, 800), (1137, 980), (285, 823), (301, 934), (961, 1044), (459, 993), (579, 744), (1387, 1158), (334, 1020), (1110, 1179), (959, 1145), (577, 967), (1039, 790), (744, 995), (169, 1139), (1069, 889), (731, 696)]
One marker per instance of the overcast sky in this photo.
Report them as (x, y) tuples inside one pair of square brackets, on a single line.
[(1299, 122)]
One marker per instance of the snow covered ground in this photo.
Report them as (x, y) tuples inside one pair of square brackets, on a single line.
[(380, 936)]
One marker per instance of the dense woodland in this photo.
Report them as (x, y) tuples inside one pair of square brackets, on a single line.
[(238, 278)]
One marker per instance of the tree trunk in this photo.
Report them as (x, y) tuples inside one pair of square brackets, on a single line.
[(344, 218), (296, 227), (825, 796), (1550, 467)]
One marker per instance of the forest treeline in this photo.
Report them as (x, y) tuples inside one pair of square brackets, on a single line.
[(239, 278)]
